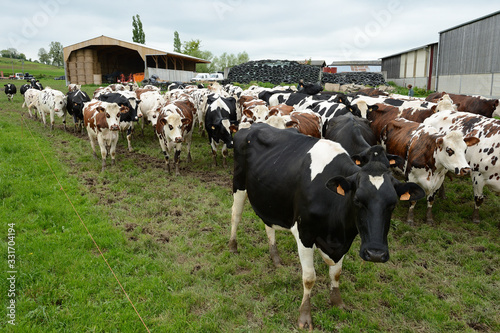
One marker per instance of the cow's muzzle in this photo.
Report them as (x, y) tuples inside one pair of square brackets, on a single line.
[(374, 255), (115, 128), (178, 140), (462, 172)]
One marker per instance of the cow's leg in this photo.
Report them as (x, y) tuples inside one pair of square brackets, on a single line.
[(224, 155), (170, 146), (478, 185), (273, 250), (335, 268), (410, 218), (188, 139), (214, 152), (430, 202), (236, 211), (163, 146), (64, 121), (112, 149), (92, 144), (129, 136), (104, 152), (52, 119), (306, 256), (177, 157)]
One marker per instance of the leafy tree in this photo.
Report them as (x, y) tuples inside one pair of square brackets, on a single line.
[(228, 60), (138, 35), (56, 53), (43, 56), (177, 42), (11, 52), (192, 48)]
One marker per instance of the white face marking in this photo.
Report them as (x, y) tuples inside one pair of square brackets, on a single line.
[(322, 153), (376, 181)]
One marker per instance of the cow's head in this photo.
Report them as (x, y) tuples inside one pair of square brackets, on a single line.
[(222, 131), (60, 101), (450, 152), (372, 194), (378, 154), (113, 112), (172, 124)]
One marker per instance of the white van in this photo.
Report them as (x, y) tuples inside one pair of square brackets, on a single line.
[(201, 77)]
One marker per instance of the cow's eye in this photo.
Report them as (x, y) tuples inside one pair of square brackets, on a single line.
[(450, 151), (171, 127), (356, 201), (154, 116), (107, 115)]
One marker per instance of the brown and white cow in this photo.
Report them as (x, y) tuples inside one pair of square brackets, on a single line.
[(484, 158), (429, 156), (383, 114), (482, 106), (102, 120), (307, 122), (174, 126)]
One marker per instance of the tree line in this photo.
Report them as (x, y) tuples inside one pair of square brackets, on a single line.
[(193, 48)]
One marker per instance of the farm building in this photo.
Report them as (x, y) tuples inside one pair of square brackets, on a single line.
[(416, 67), (105, 59), (466, 60), (469, 57)]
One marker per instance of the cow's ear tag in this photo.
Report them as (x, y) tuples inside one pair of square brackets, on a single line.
[(340, 190), (392, 162), (405, 196), (358, 162), (213, 127)]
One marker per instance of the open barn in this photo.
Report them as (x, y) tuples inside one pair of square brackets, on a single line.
[(105, 60)]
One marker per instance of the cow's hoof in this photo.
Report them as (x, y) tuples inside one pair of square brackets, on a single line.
[(336, 299), (233, 246), (475, 217)]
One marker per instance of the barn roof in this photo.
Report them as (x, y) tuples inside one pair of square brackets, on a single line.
[(471, 21), (410, 50), (142, 49)]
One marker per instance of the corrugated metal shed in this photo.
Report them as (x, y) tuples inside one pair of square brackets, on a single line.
[(88, 61), (469, 57), (471, 48)]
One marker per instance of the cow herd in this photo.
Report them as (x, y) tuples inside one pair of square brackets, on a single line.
[(327, 167)]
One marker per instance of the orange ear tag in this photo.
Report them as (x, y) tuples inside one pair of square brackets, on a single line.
[(340, 190), (405, 196)]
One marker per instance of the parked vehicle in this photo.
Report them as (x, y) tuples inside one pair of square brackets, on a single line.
[(216, 77), (201, 77)]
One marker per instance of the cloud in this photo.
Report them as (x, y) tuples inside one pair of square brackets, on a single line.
[(321, 30)]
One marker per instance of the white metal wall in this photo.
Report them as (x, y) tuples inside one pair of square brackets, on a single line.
[(169, 74)]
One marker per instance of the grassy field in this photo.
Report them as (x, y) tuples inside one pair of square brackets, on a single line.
[(165, 238), (36, 69)]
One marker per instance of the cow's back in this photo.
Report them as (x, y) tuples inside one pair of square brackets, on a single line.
[(283, 171)]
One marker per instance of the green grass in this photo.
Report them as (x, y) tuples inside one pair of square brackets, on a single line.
[(40, 71), (166, 239)]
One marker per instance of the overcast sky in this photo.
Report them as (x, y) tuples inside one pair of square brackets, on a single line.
[(293, 30)]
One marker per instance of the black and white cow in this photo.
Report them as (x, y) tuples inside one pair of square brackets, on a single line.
[(328, 110), (220, 123), (52, 102), (32, 84), (312, 187), (76, 100), (356, 137), (10, 91)]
